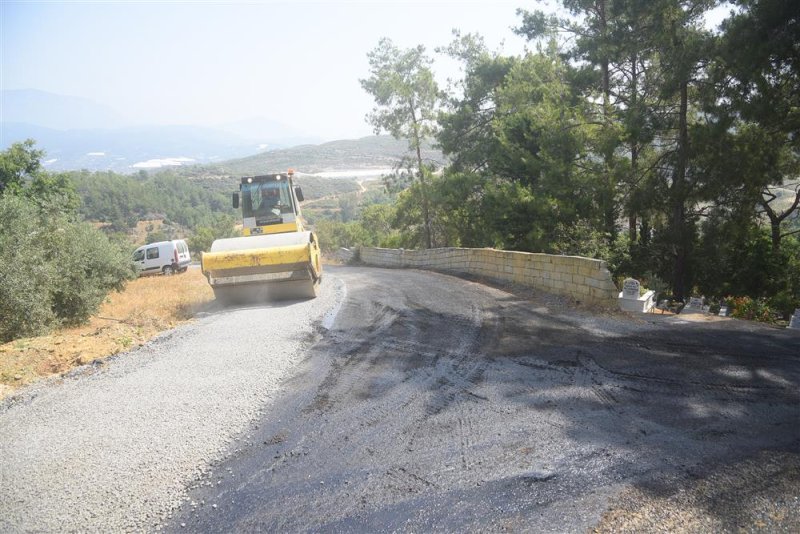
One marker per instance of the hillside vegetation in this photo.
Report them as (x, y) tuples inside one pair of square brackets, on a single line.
[(199, 209), (627, 132), (372, 152)]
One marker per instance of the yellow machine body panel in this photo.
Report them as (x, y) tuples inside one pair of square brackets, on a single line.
[(237, 259)]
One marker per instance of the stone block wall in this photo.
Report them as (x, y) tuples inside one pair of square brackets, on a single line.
[(584, 279)]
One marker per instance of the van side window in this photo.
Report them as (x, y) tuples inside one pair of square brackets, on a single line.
[(152, 253), (138, 255)]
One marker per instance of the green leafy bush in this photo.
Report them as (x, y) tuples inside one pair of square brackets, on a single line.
[(26, 271), (88, 266), (751, 309), (204, 236), (56, 270)]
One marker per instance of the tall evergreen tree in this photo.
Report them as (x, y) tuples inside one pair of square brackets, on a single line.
[(406, 103)]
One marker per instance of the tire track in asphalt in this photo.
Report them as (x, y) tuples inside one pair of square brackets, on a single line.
[(437, 404)]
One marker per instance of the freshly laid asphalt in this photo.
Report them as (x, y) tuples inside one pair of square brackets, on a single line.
[(433, 403)]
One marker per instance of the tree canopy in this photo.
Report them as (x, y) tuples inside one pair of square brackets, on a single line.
[(57, 268), (629, 132)]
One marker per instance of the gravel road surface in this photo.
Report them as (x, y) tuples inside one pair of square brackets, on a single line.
[(112, 448), (416, 401)]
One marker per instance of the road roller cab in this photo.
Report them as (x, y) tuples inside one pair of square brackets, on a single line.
[(269, 204), (277, 258)]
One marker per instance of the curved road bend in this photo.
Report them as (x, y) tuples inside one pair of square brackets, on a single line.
[(435, 403)]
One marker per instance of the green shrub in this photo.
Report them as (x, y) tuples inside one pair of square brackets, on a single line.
[(201, 240), (204, 236), (25, 272), (55, 270), (751, 309), (785, 302), (89, 265), (155, 236)]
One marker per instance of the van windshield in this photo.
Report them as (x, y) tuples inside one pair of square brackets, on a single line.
[(266, 198)]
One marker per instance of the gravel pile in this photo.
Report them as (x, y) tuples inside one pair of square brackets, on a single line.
[(112, 447)]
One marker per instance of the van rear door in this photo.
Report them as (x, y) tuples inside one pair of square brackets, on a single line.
[(183, 250), (184, 258)]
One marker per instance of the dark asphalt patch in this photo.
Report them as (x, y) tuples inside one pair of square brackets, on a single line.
[(436, 403)]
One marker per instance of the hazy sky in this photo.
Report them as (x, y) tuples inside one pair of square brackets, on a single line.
[(204, 63)]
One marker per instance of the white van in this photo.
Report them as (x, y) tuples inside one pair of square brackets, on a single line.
[(167, 257)]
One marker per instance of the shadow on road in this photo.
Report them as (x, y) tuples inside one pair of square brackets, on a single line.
[(419, 411)]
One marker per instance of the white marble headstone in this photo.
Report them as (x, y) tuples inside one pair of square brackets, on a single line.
[(630, 288), (794, 322)]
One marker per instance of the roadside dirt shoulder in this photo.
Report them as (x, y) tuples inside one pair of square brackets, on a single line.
[(147, 307), (760, 494)]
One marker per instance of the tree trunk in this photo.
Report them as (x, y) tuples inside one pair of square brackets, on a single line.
[(632, 232), (775, 227), (644, 233), (425, 208), (422, 182), (609, 212), (634, 147), (775, 218), (679, 277), (632, 196)]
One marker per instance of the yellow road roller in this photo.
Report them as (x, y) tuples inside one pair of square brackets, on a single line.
[(277, 258)]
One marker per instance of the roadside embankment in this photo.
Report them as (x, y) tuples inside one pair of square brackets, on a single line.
[(145, 308), (585, 279)]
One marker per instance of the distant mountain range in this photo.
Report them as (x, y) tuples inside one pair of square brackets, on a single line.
[(77, 133)]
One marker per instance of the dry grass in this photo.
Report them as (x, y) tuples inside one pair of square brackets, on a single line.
[(138, 235), (146, 307)]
